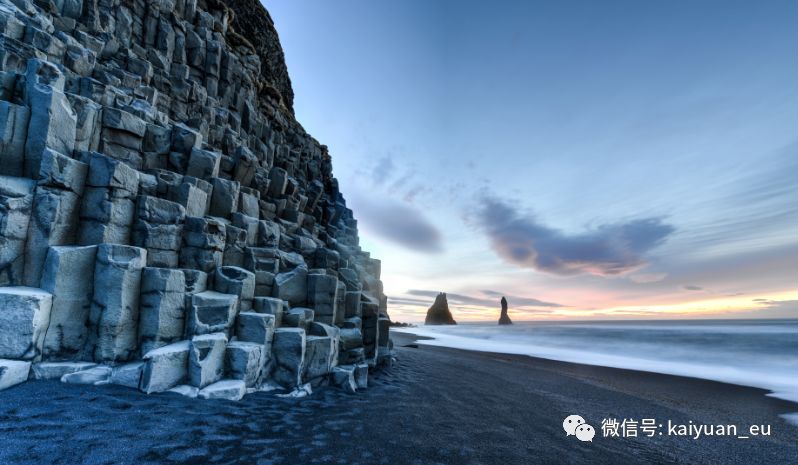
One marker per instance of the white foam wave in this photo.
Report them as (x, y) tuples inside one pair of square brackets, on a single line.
[(668, 349)]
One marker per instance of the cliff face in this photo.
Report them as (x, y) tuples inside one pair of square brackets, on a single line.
[(253, 22), (162, 213)]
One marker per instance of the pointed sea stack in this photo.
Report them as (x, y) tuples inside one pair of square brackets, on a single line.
[(504, 319), (438, 313)]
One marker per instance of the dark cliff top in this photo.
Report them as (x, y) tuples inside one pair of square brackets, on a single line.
[(253, 22)]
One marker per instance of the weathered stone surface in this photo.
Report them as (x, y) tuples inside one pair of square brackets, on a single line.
[(298, 317), (362, 375), (206, 359), (165, 367), (203, 243), (236, 281), (53, 222), (272, 306), (13, 134), (114, 315), (196, 281), (55, 370), (69, 276), (224, 200), (13, 372), (320, 357), (343, 376), (96, 376), (235, 247), (211, 312), (123, 121), (265, 263), (255, 327), (352, 304), (16, 202), (24, 317), (203, 164), (268, 234), (352, 356), (128, 375), (228, 389), (185, 390), (192, 198), (107, 209), (53, 169), (162, 315), (371, 328), (351, 338), (107, 172), (160, 211), (289, 355), (243, 361), (323, 297), (292, 286), (52, 121)]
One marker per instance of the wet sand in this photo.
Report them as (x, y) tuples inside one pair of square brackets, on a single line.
[(436, 405)]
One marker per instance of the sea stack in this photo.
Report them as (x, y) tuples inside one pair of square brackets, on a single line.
[(504, 319), (438, 313)]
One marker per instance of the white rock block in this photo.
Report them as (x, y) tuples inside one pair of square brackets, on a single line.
[(228, 389), (55, 370), (162, 308), (96, 376), (13, 372), (69, 275), (320, 357), (185, 390), (165, 367), (206, 359), (114, 316)]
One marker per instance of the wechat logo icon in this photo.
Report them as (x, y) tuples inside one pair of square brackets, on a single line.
[(575, 425)]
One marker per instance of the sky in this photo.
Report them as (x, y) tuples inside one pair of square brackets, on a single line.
[(588, 160)]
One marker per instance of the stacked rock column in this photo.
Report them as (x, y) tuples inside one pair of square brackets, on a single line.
[(165, 222)]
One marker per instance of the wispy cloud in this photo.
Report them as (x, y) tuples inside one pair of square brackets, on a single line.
[(383, 170), (692, 288), (490, 299), (607, 250), (399, 223), (647, 278)]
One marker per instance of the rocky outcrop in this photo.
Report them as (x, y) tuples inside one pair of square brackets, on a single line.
[(504, 319), (165, 222), (438, 313)]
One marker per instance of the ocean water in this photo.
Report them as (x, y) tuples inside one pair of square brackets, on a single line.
[(757, 353)]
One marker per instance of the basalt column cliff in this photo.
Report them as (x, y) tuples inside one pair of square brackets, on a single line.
[(165, 222)]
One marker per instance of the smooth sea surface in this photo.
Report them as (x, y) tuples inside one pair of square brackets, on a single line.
[(756, 353)]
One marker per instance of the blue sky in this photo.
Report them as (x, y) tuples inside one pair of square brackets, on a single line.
[(586, 159)]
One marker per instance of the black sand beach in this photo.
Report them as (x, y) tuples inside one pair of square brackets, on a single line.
[(435, 406)]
